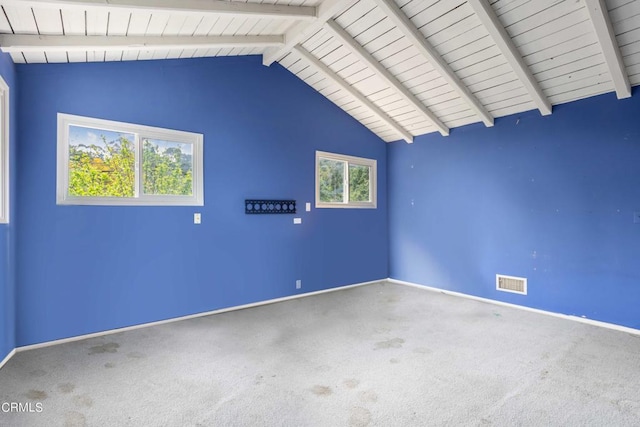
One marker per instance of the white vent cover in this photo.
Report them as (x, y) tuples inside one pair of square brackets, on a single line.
[(517, 285)]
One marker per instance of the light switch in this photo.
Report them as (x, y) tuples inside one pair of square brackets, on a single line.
[(197, 219), (297, 220), (307, 207)]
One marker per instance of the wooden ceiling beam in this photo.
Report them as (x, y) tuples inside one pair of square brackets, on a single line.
[(418, 40), (10, 43), (178, 6), (501, 38), (599, 16), (339, 81), (303, 30), (366, 58)]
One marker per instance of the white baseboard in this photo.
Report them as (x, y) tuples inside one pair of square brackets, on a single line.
[(7, 357), (191, 316), (276, 300), (521, 307)]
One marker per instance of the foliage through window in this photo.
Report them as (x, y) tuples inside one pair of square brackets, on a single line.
[(345, 181), (103, 162)]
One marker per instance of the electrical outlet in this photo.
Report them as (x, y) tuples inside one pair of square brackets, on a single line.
[(297, 220), (197, 218), (298, 284), (636, 217)]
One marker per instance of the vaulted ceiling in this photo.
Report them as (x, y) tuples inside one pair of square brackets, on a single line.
[(401, 67)]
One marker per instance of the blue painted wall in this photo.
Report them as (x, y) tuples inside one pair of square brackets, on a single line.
[(84, 269), (548, 198), (7, 231)]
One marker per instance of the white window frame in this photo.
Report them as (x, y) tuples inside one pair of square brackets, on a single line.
[(4, 152), (349, 160), (141, 132)]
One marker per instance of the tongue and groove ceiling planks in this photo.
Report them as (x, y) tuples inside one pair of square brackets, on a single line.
[(401, 67)]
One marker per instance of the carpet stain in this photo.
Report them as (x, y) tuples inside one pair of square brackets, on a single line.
[(109, 365), (544, 374), (360, 417), (627, 405), (394, 360), (321, 390), (38, 373), (351, 383), (392, 343), (83, 400), (136, 355), (36, 395), (485, 422), (422, 350), (110, 347), (74, 419), (497, 314), (368, 396), (66, 387)]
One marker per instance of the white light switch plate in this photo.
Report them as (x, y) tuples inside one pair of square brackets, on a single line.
[(297, 220), (197, 218), (307, 207)]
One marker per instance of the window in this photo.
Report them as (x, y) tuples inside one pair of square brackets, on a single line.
[(102, 162), (345, 181), (4, 152)]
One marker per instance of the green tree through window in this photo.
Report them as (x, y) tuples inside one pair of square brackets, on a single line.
[(105, 170), (331, 176), (166, 170), (359, 183), (108, 169), (101, 162), (345, 181)]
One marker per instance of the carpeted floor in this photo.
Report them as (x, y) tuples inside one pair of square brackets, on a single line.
[(383, 355)]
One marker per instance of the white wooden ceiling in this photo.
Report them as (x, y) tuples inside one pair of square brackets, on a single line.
[(401, 67)]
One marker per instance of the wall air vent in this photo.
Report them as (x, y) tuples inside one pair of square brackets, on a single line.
[(517, 285)]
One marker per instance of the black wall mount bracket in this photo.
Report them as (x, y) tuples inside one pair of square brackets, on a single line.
[(261, 206)]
